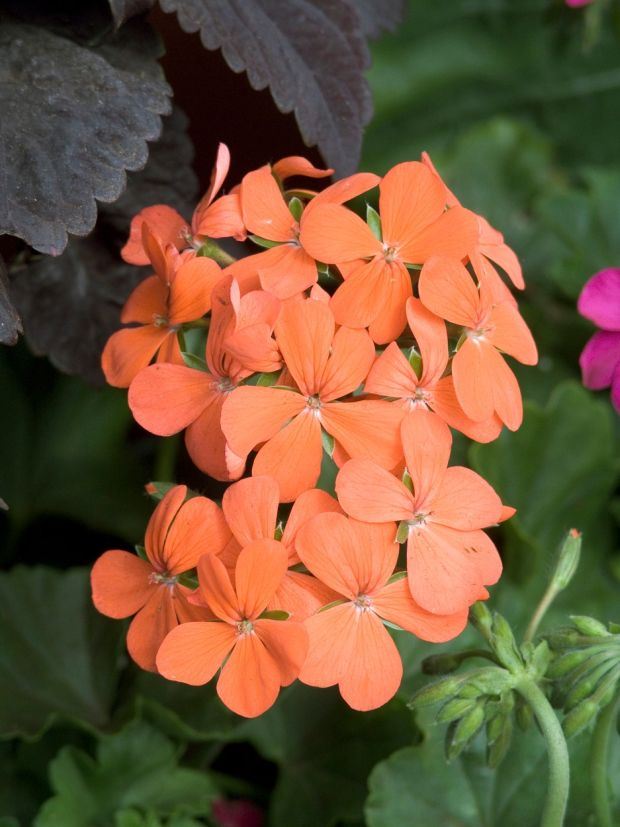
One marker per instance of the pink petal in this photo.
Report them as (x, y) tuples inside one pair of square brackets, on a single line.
[(600, 299), (599, 360)]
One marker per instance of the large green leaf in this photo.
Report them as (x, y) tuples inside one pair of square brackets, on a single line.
[(58, 656), (135, 768), (559, 471), (64, 452)]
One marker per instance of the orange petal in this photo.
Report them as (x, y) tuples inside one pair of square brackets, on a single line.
[(305, 332), (392, 375), (252, 415), (251, 508), (130, 350), (293, 456), (490, 280), (503, 255), (148, 300), (218, 176), (326, 545), (511, 334), (222, 219), (207, 446), (376, 554), (447, 289), (411, 198), (149, 628), (120, 583), (506, 393), (170, 351), (453, 234), (296, 165), (432, 340), (368, 492), (245, 272), (451, 199), (198, 528), (357, 301), (217, 590), (333, 233), (165, 398), (390, 321), (265, 212), (427, 442), (190, 292), (465, 501), (307, 505), (484, 383), (260, 568), (352, 354), (330, 635), (165, 223), (193, 652), (301, 595), (395, 604), (159, 525), (160, 255), (286, 271), (287, 643), (374, 670), (366, 429), (343, 190), (447, 568), (442, 399), (250, 679)]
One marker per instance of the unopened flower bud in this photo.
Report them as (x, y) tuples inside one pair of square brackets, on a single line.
[(504, 644), (564, 664), (579, 717), (460, 735), (540, 659), (442, 664), (499, 738), (454, 709), (568, 560), (590, 626), (587, 685), (435, 692), (523, 715)]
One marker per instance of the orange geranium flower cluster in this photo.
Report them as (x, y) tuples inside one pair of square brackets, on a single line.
[(350, 341)]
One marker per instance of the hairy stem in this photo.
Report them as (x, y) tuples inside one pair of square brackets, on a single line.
[(599, 755), (546, 601), (557, 751)]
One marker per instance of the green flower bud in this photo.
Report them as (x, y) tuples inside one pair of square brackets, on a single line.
[(568, 560), (539, 660), (565, 663), (442, 664), (589, 626), (455, 709), (462, 733), (579, 717), (587, 685), (435, 692), (504, 644), (523, 714), (499, 738)]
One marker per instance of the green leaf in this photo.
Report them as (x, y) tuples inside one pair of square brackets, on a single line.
[(263, 242), (193, 361), (559, 471), (324, 747), (137, 767), (58, 656), (64, 452)]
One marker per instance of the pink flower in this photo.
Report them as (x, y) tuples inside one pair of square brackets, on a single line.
[(600, 360)]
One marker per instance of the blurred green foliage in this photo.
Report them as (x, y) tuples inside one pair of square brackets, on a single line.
[(517, 103)]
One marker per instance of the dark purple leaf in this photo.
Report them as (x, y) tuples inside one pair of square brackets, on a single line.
[(311, 54), (75, 116), (122, 10), (10, 323), (71, 303), (379, 16)]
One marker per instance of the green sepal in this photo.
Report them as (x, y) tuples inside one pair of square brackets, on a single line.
[(296, 208), (141, 552), (373, 219), (277, 534), (455, 709), (459, 735), (189, 579), (193, 361), (407, 481), (332, 604), (403, 532), (275, 614), (264, 242), (399, 575), (267, 380), (329, 443), (415, 360)]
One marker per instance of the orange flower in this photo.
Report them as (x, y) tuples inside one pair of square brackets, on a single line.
[(393, 375), (285, 269), (123, 584), (488, 247), (165, 399), (217, 219), (326, 366), (251, 510), (449, 559), (415, 226), (251, 341), (483, 382), (257, 655), (349, 645), (179, 292)]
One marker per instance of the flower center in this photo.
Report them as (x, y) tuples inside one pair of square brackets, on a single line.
[(225, 385), (363, 603), (418, 521), (162, 578), (313, 402), (245, 627), (390, 252), (160, 321)]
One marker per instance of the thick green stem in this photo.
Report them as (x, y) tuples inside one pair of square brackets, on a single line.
[(557, 751), (599, 759), (165, 458), (212, 249)]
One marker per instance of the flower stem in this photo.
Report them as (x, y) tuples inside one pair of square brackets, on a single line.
[(599, 755), (212, 249), (557, 751), (545, 601)]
